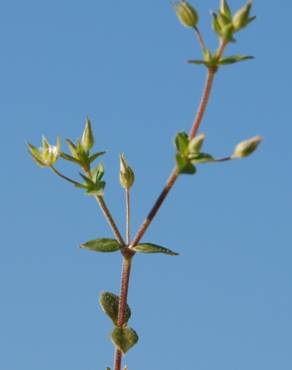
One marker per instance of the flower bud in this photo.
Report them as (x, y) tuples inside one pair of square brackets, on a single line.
[(241, 17), (87, 140), (187, 15), (127, 176), (196, 143), (247, 147)]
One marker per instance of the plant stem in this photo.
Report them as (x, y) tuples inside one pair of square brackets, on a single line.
[(200, 39), (127, 260), (107, 214), (128, 217), (64, 177), (126, 270), (174, 174), (203, 103), (193, 132), (100, 200)]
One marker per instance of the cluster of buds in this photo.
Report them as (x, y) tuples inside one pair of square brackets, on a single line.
[(226, 24), (47, 154)]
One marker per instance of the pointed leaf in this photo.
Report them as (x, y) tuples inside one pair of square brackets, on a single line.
[(103, 245), (68, 157), (110, 305), (153, 248), (93, 157), (201, 158), (234, 59), (198, 61), (124, 338), (184, 166), (72, 148), (182, 143)]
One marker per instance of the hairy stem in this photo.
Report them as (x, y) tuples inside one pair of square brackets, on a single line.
[(193, 132), (126, 270), (174, 174), (100, 200)]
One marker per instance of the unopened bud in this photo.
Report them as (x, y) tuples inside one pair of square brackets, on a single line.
[(87, 140), (247, 147), (187, 15), (196, 143), (127, 176), (241, 17)]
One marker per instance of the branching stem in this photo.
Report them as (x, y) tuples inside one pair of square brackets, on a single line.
[(193, 132), (127, 260)]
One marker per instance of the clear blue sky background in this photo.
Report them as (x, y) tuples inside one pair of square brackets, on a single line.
[(225, 303)]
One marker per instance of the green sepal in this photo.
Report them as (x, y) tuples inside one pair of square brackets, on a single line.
[(93, 157), (184, 166), (104, 245), (153, 248), (182, 142), (36, 155), (124, 338), (97, 172), (225, 9), (201, 158), (108, 368), (223, 27), (109, 303), (234, 59)]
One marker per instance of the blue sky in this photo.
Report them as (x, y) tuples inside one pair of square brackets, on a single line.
[(225, 303)]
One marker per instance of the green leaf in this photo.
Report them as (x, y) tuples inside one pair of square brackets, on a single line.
[(72, 147), (97, 189), (103, 245), (234, 59), (182, 143), (93, 157), (153, 248), (108, 368), (68, 157), (124, 338), (198, 61), (201, 158), (110, 305), (184, 166)]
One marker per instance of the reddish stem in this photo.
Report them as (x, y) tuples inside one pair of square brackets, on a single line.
[(126, 271)]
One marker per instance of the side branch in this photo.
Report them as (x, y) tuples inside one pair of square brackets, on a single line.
[(110, 219), (174, 175)]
